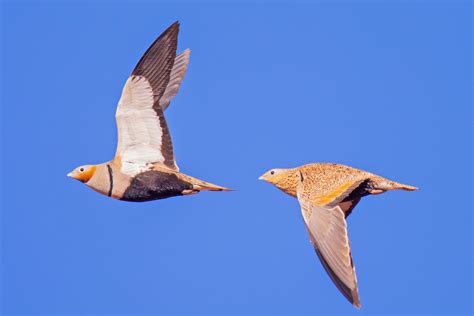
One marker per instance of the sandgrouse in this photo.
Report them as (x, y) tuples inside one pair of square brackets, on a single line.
[(327, 194), (144, 166)]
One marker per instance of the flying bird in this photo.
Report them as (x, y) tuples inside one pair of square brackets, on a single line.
[(144, 166), (327, 194)]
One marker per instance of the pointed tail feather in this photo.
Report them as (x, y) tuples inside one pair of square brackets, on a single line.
[(205, 186), (383, 184), (406, 187)]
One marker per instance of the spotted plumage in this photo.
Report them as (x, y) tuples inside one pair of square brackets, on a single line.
[(144, 167), (327, 194)]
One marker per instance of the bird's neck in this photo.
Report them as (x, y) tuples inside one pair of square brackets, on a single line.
[(289, 182), (100, 181)]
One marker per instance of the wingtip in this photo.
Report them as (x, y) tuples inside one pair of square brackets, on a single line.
[(355, 300), (173, 26)]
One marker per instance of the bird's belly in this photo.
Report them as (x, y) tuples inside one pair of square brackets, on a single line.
[(154, 185)]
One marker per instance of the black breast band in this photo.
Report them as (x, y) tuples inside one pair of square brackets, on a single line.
[(111, 180)]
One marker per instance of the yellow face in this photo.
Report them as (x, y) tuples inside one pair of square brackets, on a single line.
[(274, 176), (83, 173)]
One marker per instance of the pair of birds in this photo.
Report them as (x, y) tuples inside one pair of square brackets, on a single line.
[(144, 166)]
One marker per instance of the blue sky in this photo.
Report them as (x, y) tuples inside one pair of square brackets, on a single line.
[(385, 88)]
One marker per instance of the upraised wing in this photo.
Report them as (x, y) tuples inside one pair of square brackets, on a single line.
[(176, 78), (143, 135)]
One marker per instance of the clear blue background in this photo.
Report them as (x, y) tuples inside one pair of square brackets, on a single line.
[(386, 88)]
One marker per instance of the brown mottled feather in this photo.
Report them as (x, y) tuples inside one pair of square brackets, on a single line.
[(329, 178), (327, 194)]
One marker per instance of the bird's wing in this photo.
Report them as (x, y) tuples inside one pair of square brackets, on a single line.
[(143, 135), (177, 75), (327, 230), (348, 205), (345, 196)]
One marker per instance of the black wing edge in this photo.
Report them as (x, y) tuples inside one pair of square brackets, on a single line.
[(351, 295), (157, 62)]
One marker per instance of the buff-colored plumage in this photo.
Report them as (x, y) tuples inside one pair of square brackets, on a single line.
[(327, 193)]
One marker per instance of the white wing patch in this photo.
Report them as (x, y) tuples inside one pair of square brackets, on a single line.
[(139, 131)]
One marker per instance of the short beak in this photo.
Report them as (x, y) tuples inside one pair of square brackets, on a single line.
[(261, 178), (70, 175)]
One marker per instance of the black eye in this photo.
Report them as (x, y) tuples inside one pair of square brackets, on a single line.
[(272, 172), (81, 170)]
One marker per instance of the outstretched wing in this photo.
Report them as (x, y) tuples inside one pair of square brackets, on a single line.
[(143, 135), (327, 230), (176, 78)]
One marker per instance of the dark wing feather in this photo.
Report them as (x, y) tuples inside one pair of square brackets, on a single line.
[(341, 286), (144, 136), (157, 62), (348, 205), (176, 78), (350, 197)]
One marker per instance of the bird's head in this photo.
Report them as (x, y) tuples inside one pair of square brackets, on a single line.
[(83, 173), (284, 179), (274, 176)]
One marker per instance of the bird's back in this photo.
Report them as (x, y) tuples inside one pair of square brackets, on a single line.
[(324, 178)]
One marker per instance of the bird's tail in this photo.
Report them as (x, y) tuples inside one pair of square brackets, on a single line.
[(383, 184), (401, 186), (205, 186)]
